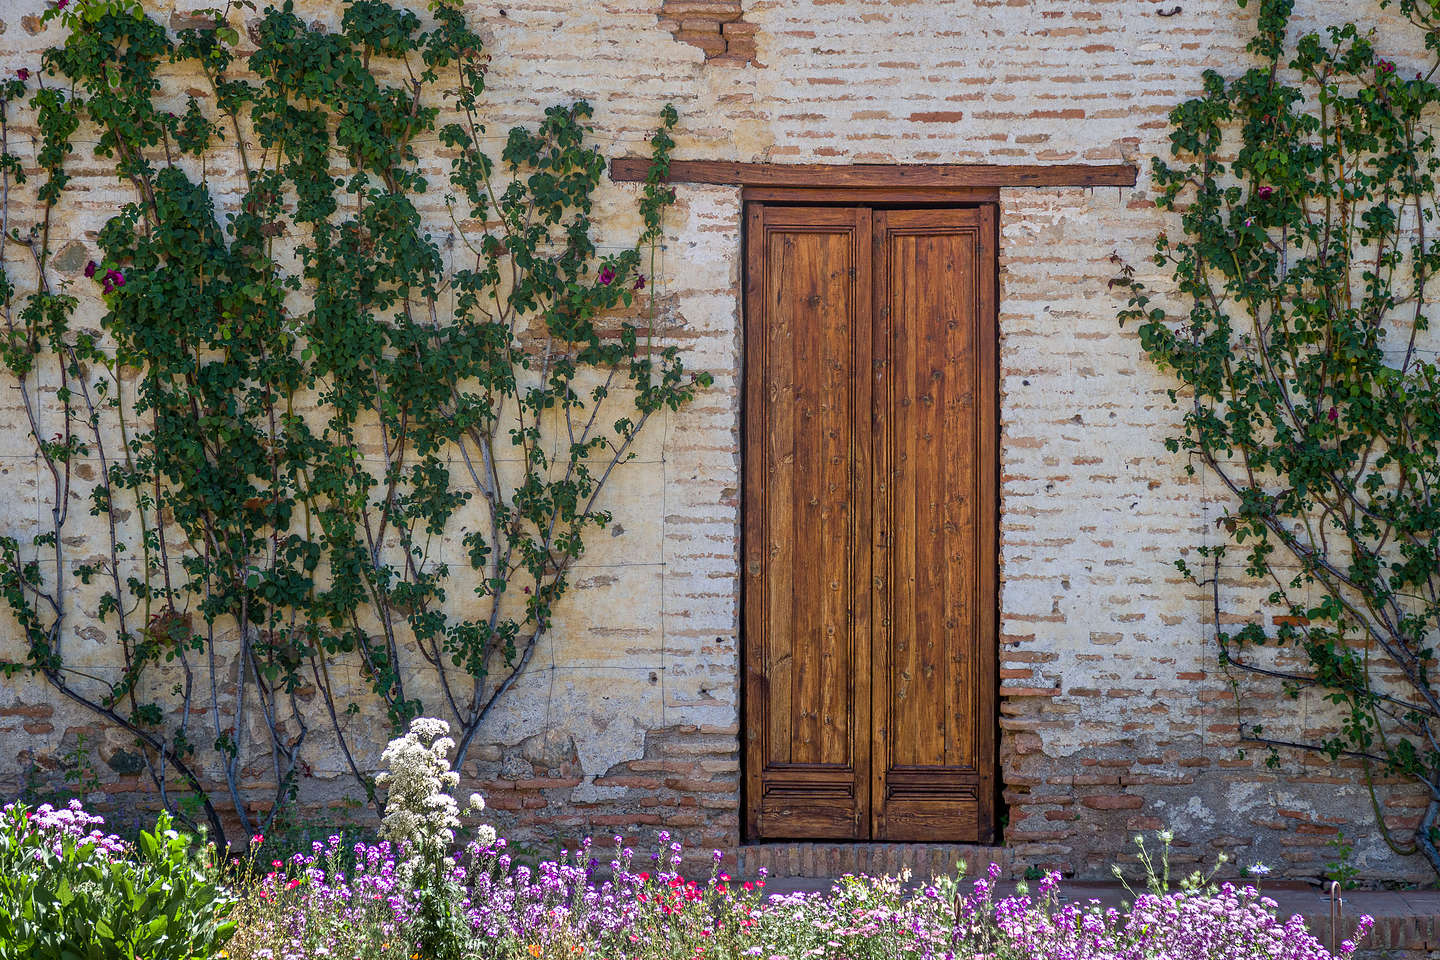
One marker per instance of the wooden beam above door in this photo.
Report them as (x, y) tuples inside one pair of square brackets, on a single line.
[(882, 175)]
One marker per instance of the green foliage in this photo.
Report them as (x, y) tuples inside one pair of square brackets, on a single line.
[(308, 417), (1342, 869), (1156, 868), (1306, 197), (68, 897)]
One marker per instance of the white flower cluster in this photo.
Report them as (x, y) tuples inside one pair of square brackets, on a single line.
[(420, 814)]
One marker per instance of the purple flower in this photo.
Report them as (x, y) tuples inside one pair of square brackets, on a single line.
[(639, 281), (607, 276), (1264, 192), (112, 281), (90, 269), (22, 74)]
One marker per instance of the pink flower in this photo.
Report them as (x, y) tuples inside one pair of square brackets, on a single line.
[(112, 281), (1334, 415), (23, 74), (1264, 192), (61, 4), (607, 276), (1386, 66), (90, 269)]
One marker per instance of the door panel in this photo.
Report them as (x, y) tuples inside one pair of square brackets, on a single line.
[(933, 658), (807, 480), (869, 450)]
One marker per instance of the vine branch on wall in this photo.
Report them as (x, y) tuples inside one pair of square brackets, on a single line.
[(1306, 196), (293, 412)]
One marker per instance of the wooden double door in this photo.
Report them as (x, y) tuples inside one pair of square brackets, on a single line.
[(869, 523)]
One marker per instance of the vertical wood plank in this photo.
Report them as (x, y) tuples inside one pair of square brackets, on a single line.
[(779, 478), (753, 516), (987, 513), (882, 401)]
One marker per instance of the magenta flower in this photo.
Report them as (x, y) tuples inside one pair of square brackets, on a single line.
[(1386, 66), (22, 74), (90, 269), (639, 281), (1264, 192), (112, 281), (1334, 415), (607, 276), (61, 4)]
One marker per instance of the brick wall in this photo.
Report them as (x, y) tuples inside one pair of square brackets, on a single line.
[(1114, 719)]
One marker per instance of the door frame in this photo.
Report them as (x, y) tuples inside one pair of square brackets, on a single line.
[(896, 196)]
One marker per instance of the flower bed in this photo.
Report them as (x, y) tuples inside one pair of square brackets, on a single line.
[(68, 889)]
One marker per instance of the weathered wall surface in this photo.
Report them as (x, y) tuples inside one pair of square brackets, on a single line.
[(1114, 717)]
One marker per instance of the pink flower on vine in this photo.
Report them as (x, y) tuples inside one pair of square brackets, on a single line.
[(90, 269), (1264, 192), (22, 74), (112, 281), (1249, 221), (607, 276), (1334, 415), (1386, 66)]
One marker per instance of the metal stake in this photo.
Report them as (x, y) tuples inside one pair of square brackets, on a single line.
[(1336, 912)]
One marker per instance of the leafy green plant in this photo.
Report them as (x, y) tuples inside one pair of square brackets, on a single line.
[(301, 415), (1298, 328), (70, 894), (1342, 869), (1156, 868)]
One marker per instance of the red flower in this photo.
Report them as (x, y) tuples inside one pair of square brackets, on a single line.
[(292, 884)]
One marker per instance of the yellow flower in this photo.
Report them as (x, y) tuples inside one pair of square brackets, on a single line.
[(534, 949)]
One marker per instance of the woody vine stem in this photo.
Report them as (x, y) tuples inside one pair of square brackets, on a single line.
[(331, 470)]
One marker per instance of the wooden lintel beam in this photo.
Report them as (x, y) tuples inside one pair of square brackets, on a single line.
[(870, 175)]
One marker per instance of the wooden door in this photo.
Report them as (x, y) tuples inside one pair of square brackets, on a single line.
[(870, 492)]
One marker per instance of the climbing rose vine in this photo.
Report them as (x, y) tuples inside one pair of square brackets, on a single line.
[(1300, 283), (336, 466)]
